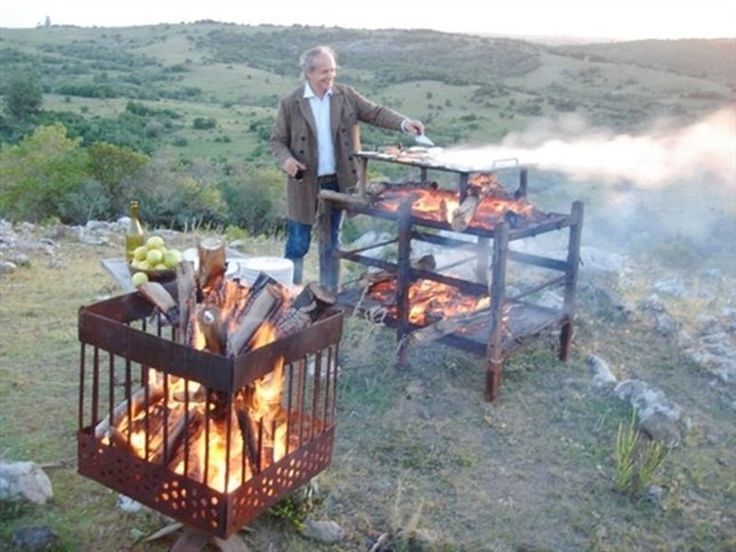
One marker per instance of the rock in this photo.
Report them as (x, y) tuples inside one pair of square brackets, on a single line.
[(661, 429), (601, 261), (665, 324), (654, 494), (652, 304), (658, 416), (6, 267), (683, 340), (706, 323), (20, 259), (35, 539), (602, 375), (325, 531), (673, 286), (127, 504), (24, 481)]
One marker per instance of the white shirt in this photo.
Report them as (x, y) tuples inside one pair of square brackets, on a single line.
[(325, 147)]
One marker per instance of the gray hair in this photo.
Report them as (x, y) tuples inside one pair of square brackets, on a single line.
[(306, 60)]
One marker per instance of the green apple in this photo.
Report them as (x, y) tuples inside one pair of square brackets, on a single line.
[(139, 278), (155, 242), (172, 257), (154, 256), (139, 253), (160, 266)]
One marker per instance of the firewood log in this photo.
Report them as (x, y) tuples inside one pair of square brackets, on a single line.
[(158, 296), (306, 308), (367, 279), (137, 403), (450, 325), (263, 304), (186, 285), (211, 324), (212, 262), (487, 186)]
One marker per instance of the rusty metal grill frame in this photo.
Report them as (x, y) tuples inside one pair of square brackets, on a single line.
[(118, 341), (492, 251)]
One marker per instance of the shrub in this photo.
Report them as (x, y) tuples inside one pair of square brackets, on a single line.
[(39, 172), (204, 123)]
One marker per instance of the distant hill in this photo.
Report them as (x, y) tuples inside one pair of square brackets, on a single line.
[(210, 89), (714, 58)]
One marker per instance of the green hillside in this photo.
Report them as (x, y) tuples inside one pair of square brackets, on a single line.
[(708, 59), (205, 93)]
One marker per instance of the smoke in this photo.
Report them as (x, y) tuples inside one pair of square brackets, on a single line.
[(662, 157)]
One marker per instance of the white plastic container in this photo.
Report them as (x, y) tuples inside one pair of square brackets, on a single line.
[(279, 268)]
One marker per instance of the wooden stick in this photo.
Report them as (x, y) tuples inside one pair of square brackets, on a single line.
[(307, 307), (186, 285), (264, 302), (212, 262), (137, 402), (158, 296)]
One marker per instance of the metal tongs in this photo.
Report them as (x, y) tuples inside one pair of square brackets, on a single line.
[(423, 140)]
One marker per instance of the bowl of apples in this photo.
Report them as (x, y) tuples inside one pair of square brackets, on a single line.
[(154, 259)]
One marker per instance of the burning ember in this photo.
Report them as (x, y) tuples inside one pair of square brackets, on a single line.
[(224, 417), (487, 204), (429, 301)]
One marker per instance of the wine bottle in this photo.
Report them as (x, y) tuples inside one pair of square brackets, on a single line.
[(134, 236)]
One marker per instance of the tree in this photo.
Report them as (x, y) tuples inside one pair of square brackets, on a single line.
[(39, 173), (115, 168), (23, 96)]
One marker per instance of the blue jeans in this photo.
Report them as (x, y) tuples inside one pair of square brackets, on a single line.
[(299, 237)]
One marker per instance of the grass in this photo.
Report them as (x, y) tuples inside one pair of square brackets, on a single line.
[(533, 470)]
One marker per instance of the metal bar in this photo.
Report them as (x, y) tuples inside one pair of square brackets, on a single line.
[(373, 246), (463, 186), (165, 443), (327, 388), (301, 389), (82, 369), (228, 429), (259, 454), (573, 263), (444, 241), (205, 471), (146, 425), (186, 427), (498, 291), (95, 384), (334, 383), (111, 389), (521, 190), (481, 268), (315, 391), (128, 394), (289, 405), (549, 283), (403, 279), (537, 260)]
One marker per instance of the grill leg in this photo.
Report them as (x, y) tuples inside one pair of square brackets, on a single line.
[(493, 380), (565, 340)]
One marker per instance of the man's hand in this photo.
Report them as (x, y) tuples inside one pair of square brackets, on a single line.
[(291, 167), (413, 127)]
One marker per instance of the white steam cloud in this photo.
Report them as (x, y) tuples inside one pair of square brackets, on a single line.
[(653, 160)]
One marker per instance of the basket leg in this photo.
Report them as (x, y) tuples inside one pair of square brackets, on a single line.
[(565, 340)]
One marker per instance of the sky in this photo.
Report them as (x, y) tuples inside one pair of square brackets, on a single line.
[(601, 19)]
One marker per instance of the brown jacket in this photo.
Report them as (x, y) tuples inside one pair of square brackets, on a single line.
[(294, 135)]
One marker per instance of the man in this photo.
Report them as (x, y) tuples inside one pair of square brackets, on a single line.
[(313, 139)]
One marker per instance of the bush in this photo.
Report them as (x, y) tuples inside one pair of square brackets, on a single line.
[(202, 123), (255, 199), (37, 174)]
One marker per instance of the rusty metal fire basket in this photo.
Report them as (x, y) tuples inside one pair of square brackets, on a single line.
[(165, 424)]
